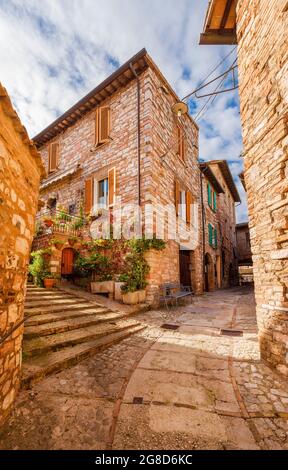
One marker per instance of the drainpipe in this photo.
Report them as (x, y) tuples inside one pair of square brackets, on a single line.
[(138, 134), (203, 226)]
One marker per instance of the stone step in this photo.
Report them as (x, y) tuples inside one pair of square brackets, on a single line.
[(36, 368), (51, 302), (30, 312), (63, 325), (43, 344), (64, 315), (53, 295)]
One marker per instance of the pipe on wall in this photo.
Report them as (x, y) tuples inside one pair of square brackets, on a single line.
[(138, 135)]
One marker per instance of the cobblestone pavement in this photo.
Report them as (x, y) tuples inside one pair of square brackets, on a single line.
[(189, 388)]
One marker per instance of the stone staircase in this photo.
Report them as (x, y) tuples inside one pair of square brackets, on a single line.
[(62, 328)]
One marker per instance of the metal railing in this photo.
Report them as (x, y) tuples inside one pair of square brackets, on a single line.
[(57, 221)]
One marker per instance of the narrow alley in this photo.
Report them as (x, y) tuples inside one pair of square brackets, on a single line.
[(191, 380)]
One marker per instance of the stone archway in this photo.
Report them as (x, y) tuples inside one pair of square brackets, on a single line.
[(209, 273)]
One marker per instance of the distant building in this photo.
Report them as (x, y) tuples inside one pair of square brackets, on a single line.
[(243, 244)]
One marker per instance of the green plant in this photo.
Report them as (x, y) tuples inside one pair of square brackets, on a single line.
[(57, 241), (73, 238), (38, 267), (86, 265)]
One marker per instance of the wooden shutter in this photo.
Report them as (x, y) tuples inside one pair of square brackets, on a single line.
[(181, 143), (111, 186), (88, 195), (104, 124), (215, 238), (210, 234), (188, 207), (214, 201), (177, 196), (209, 194), (97, 127), (53, 156)]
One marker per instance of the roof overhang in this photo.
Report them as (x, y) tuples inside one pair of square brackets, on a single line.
[(242, 179), (220, 23), (225, 170), (120, 78), (206, 170), (59, 176)]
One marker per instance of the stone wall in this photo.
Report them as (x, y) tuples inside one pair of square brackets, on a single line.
[(20, 168), (263, 69), (243, 244), (158, 174)]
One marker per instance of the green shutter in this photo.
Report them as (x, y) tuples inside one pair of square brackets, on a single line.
[(210, 234), (209, 194), (214, 201), (215, 238)]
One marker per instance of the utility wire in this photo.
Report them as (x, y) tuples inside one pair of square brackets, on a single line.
[(212, 98), (211, 73)]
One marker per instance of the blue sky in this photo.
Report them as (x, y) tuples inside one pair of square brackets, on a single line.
[(54, 51)]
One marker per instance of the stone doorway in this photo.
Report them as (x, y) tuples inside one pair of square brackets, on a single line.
[(209, 273), (67, 262), (185, 267)]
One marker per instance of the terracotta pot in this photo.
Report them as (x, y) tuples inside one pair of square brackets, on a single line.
[(49, 283), (48, 222), (130, 298)]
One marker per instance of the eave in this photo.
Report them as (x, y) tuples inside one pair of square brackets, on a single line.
[(225, 170), (206, 170), (220, 23)]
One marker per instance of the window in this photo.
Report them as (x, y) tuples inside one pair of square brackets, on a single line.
[(209, 194), (212, 236), (102, 125), (100, 191), (183, 202), (102, 195), (72, 209), (53, 157), (214, 201)]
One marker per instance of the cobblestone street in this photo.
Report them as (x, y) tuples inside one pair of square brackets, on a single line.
[(188, 388)]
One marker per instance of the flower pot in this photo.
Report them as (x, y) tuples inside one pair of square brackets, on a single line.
[(58, 246), (130, 298), (49, 283), (141, 296), (103, 287), (118, 292), (48, 222), (71, 241)]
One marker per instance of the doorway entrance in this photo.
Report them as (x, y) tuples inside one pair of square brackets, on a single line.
[(185, 267), (67, 262), (209, 273)]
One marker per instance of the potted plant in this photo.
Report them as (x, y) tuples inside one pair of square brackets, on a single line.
[(58, 243), (134, 287), (119, 282), (72, 240), (49, 280), (48, 221)]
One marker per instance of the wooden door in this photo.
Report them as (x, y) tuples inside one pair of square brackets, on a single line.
[(67, 261), (185, 262)]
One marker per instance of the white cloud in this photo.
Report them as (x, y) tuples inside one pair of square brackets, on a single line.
[(53, 52)]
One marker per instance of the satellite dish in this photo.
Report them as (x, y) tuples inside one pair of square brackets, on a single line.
[(180, 108)]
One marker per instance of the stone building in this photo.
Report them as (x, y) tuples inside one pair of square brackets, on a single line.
[(244, 253), (122, 143), (260, 28), (20, 171), (219, 239)]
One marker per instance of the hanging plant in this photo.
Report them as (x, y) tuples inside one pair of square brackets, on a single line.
[(58, 243)]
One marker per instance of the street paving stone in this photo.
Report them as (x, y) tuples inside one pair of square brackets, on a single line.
[(198, 389)]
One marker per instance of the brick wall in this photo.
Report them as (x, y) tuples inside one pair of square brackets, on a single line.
[(158, 173), (20, 167), (263, 70)]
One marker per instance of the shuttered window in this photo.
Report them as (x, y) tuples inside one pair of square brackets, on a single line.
[(88, 195), (181, 143), (188, 207), (210, 234), (102, 125), (111, 187), (214, 201), (177, 196), (215, 238), (209, 194), (53, 156)]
